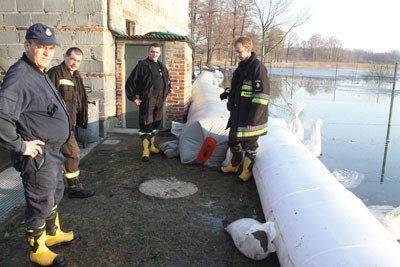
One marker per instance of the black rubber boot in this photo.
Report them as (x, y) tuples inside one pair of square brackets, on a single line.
[(75, 189)]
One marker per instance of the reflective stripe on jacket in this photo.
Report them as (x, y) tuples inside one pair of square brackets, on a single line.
[(248, 100), (73, 93)]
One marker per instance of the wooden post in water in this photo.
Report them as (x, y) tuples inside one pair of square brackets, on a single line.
[(389, 123)]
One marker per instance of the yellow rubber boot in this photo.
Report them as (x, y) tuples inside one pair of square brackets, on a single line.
[(39, 252), (153, 148), (55, 236), (230, 168), (247, 169), (146, 150)]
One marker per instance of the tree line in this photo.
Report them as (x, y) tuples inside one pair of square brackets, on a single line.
[(272, 24)]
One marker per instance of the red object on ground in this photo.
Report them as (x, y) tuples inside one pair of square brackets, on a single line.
[(206, 149)]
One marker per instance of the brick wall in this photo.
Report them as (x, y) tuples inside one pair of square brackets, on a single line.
[(179, 62), (120, 81)]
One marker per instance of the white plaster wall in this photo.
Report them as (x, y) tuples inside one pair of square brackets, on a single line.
[(159, 15)]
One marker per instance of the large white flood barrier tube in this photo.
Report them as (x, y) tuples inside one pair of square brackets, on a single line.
[(204, 138), (319, 222)]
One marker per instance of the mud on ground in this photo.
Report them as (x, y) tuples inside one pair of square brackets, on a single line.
[(122, 227)]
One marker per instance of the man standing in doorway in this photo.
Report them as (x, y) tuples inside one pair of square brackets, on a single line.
[(68, 82), (148, 86), (35, 125), (248, 105)]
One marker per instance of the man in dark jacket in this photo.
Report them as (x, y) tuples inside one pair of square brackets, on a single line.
[(248, 105), (148, 86), (35, 125), (68, 82)]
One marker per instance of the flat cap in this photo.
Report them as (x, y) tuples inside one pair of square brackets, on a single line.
[(41, 34)]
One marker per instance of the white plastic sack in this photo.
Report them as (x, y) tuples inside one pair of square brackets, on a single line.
[(227, 158), (318, 221), (314, 144), (295, 125), (176, 128), (207, 118), (218, 77), (252, 238), (170, 148)]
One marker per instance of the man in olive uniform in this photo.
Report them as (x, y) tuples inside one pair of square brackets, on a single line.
[(248, 105), (34, 126), (68, 82), (148, 86)]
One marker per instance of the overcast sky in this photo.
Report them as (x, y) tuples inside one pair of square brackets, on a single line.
[(365, 24)]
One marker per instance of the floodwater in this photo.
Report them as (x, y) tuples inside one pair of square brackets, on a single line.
[(355, 115)]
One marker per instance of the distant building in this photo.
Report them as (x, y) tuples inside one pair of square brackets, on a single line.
[(112, 35)]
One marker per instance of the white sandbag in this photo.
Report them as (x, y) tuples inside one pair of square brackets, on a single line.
[(295, 125), (314, 144), (207, 120), (170, 148), (318, 221), (252, 238), (176, 128), (227, 158)]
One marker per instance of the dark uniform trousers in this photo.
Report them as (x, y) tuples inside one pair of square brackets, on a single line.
[(249, 145), (150, 114), (43, 185), (72, 156)]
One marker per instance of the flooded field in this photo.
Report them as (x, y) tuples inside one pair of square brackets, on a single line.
[(355, 115)]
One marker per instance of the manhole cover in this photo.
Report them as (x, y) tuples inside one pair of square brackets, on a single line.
[(111, 142), (167, 188)]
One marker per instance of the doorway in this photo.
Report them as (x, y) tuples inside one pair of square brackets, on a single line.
[(134, 53)]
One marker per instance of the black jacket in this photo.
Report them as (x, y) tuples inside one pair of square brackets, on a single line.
[(248, 100), (73, 93), (139, 85), (30, 108)]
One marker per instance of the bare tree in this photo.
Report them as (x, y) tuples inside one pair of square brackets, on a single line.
[(334, 45), (291, 39), (271, 15), (315, 43)]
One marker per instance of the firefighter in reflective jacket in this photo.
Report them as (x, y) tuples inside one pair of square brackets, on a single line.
[(68, 82), (248, 106)]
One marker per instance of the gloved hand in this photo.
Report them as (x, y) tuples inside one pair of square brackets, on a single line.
[(225, 94)]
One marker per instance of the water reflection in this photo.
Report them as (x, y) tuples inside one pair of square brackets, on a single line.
[(355, 115), (354, 109)]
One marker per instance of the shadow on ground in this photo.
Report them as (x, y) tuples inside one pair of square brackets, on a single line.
[(122, 227)]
